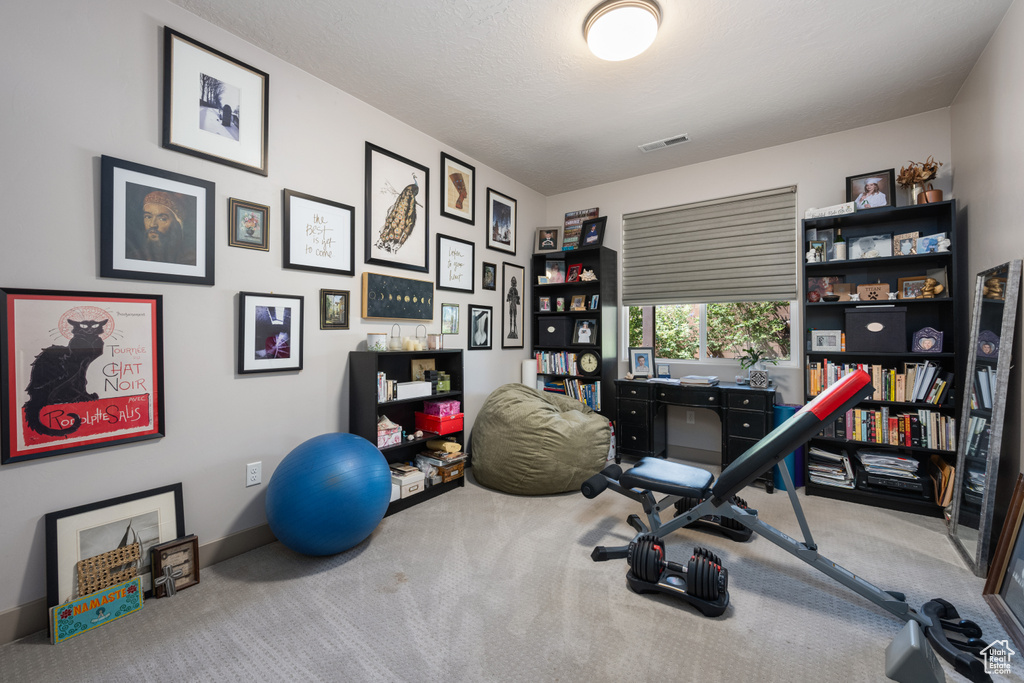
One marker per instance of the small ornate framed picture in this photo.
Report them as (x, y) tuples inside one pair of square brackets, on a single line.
[(247, 225), (334, 307), (577, 303), (905, 244), (927, 340), (826, 340), (175, 565)]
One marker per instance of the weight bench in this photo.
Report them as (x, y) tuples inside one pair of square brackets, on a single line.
[(696, 498)]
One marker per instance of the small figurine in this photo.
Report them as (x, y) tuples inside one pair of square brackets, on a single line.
[(588, 276), (943, 243), (931, 288), (812, 255), (892, 295), (854, 296), (993, 288)]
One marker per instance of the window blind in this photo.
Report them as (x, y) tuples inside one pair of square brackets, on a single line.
[(740, 248)]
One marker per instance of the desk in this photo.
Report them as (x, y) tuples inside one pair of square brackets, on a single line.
[(746, 415)]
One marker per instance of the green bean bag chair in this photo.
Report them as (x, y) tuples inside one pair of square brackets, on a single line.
[(534, 442)]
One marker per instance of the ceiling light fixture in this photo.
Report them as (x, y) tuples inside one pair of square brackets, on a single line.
[(621, 29)]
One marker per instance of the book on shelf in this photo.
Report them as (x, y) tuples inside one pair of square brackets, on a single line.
[(943, 475), (923, 382), (830, 469), (706, 380), (922, 428)]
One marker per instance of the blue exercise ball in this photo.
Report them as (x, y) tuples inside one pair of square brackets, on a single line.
[(328, 494)]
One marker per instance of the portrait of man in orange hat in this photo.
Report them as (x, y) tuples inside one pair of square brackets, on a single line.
[(160, 226)]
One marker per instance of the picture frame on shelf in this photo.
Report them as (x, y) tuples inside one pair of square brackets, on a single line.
[(334, 309), (175, 565), (544, 304), (397, 211), (872, 190), (560, 304), (555, 269), (593, 232), (641, 361), (826, 235), (215, 106), (270, 333), (822, 286), (578, 303), (513, 279), (248, 225), (319, 234), (930, 244), (905, 244), (480, 327), (548, 240), (572, 227), (910, 287), (595, 302), (826, 340), (1003, 594), (417, 366), (663, 371), (458, 189), (449, 318), (585, 332), (455, 264), (870, 246), (38, 328), (489, 276), (819, 247), (574, 272), (155, 224), (927, 340), (988, 344), (501, 222), (148, 517)]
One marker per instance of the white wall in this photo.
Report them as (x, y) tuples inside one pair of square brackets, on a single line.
[(817, 166), (84, 79)]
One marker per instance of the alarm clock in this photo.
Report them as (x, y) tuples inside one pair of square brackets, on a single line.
[(589, 363)]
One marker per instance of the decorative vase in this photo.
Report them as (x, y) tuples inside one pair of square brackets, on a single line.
[(376, 341)]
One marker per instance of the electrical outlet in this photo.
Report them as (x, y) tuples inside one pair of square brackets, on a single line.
[(253, 474), (689, 417)]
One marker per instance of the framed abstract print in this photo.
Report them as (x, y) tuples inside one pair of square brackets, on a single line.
[(397, 211), (319, 234), (512, 287), (80, 370), (458, 189), (480, 327), (455, 264), (269, 332), (501, 222), (247, 225)]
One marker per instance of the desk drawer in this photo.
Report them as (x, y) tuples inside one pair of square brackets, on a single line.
[(735, 448), (747, 400), (633, 390), (631, 437), (688, 396), (634, 412), (746, 425)]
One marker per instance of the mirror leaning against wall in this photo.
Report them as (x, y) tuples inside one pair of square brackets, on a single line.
[(982, 419)]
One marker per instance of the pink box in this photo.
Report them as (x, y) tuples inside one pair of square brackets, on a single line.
[(389, 437), (441, 408)]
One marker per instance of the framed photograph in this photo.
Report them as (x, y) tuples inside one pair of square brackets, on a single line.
[(555, 271), (905, 244), (595, 300), (988, 344), (572, 227), (872, 190), (458, 189), (480, 326), (397, 298), (826, 340), (544, 306), (215, 107), (560, 304), (578, 303), (148, 518), (501, 222), (930, 244), (818, 287), (455, 264), (910, 287), (828, 237), (663, 371), (334, 307), (155, 225), (927, 340), (489, 277), (417, 366), (397, 211), (641, 361), (1003, 591), (247, 225), (585, 331), (319, 234), (820, 247), (593, 232), (871, 246), (513, 278), (68, 357), (175, 565), (548, 239), (574, 272), (269, 332), (449, 318)]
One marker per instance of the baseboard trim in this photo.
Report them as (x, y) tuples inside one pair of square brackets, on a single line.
[(29, 618)]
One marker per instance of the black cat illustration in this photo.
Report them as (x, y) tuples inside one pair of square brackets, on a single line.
[(58, 375)]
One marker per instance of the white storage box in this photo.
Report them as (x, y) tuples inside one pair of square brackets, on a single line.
[(412, 390), (408, 478)]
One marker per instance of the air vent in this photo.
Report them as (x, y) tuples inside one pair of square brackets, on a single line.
[(662, 144)]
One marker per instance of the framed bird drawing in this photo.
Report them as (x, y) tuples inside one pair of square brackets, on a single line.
[(397, 211)]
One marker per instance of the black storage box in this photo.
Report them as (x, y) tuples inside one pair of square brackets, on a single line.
[(554, 331), (876, 329)]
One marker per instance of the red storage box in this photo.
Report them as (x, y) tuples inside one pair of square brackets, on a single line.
[(437, 424)]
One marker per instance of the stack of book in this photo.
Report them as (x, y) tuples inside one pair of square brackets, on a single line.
[(890, 471), (699, 380), (830, 469)]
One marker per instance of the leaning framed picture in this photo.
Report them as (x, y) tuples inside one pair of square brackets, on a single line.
[(512, 283), (480, 326), (269, 332), (82, 532), (449, 318), (872, 190), (67, 358), (155, 224), (1003, 590), (593, 232), (175, 565), (458, 189), (397, 211), (247, 225), (319, 234), (455, 264), (641, 361), (334, 307), (501, 222), (911, 287), (215, 106)]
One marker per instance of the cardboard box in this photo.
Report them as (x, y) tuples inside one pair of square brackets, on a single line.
[(439, 425), (408, 478), (441, 408), (450, 472), (876, 329), (412, 390), (389, 437)]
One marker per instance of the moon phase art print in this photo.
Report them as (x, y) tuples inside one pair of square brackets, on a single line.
[(399, 298)]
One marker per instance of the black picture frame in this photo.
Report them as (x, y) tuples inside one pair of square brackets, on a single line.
[(456, 264), (85, 531), (480, 329), (1005, 597), (489, 276), (502, 220), (592, 233), (267, 331), (335, 308), (171, 242), (319, 234), (131, 388), (886, 185), (513, 278), (398, 229), (248, 225), (458, 189), (192, 71), (585, 331)]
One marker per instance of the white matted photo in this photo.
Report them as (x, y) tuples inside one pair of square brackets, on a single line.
[(269, 332), (871, 246)]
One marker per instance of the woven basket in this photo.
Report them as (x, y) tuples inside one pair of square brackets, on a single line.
[(108, 569)]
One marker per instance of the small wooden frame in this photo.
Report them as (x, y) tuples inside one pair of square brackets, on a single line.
[(178, 555), (910, 287)]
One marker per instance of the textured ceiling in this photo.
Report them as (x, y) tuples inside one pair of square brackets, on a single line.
[(512, 84)]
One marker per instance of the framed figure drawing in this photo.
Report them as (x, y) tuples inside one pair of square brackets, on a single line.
[(247, 225), (69, 357), (397, 211), (501, 222), (458, 189), (215, 107), (512, 277), (455, 264), (269, 333), (154, 224), (480, 326), (319, 235)]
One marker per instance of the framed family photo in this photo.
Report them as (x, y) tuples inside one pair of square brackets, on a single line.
[(641, 361), (215, 106), (269, 332), (593, 232), (501, 222), (334, 309), (69, 356), (319, 234), (872, 190), (455, 261), (480, 326), (155, 224), (512, 288), (397, 211), (247, 225), (458, 189)]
